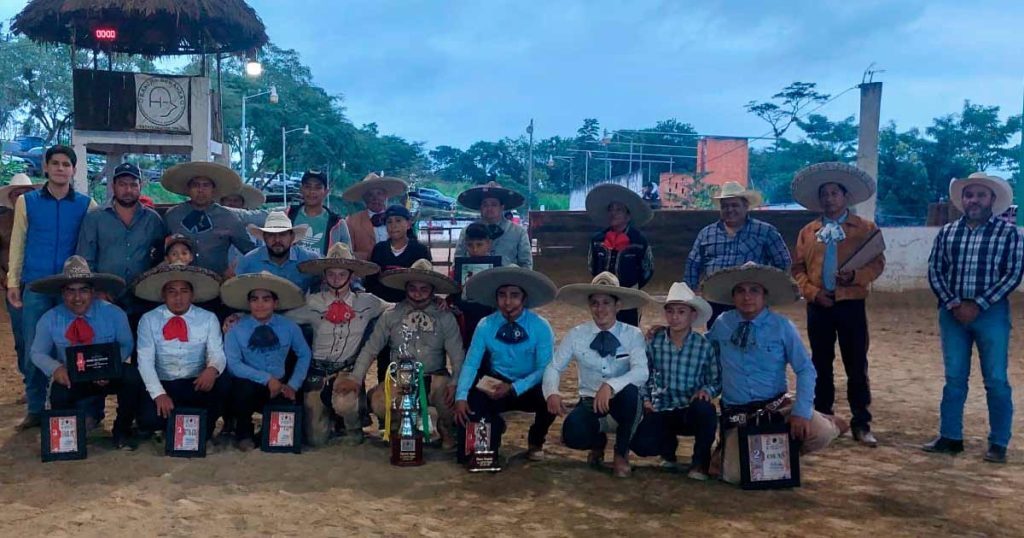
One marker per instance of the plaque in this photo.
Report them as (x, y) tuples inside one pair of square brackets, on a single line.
[(93, 362), (467, 266), (186, 433), (483, 458), (282, 428), (62, 435), (769, 457)]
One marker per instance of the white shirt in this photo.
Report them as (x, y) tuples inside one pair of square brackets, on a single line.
[(380, 233), (163, 360), (628, 366)]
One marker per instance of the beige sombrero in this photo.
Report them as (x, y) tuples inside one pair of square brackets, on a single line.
[(781, 287), (732, 189), (859, 184), (600, 196), (234, 292), (605, 283), (1001, 188), (76, 270), (18, 181), (226, 181), (680, 292), (278, 222), (254, 198), (421, 271), (391, 185), (205, 283), (339, 256), (481, 289), (472, 197)]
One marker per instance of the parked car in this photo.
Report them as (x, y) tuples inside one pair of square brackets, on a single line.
[(432, 198), (34, 157), (23, 143)]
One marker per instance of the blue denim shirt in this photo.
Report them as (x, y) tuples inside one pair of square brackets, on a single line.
[(108, 322), (259, 260), (258, 365), (523, 363)]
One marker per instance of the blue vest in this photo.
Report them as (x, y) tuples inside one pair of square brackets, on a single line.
[(52, 233)]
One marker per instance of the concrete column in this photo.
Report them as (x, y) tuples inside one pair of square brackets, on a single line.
[(200, 119), (867, 140), (81, 179)]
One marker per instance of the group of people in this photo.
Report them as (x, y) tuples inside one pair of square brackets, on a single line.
[(221, 305)]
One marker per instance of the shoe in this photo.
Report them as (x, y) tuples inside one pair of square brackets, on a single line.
[(535, 453), (595, 459), (944, 445), (864, 436), (30, 421), (352, 438), (245, 445), (124, 442), (621, 467), (669, 465), (698, 472), (995, 454)]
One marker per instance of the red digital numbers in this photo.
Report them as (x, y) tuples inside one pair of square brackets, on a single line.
[(105, 34)]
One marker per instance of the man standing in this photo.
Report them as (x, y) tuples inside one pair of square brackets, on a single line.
[(368, 227), (835, 299), (123, 238), (734, 240), (508, 240), (20, 184), (325, 227), (45, 233), (974, 265), (281, 252)]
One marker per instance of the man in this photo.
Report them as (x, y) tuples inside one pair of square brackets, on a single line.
[(685, 377), (734, 240), (974, 265), (835, 298), (611, 365), (249, 199), (211, 226), (325, 227), (341, 318), (651, 196), (84, 319), (257, 349), (180, 350), (368, 227), (513, 347), (123, 237), (508, 240), (754, 346), (45, 233), (281, 252), (433, 335)]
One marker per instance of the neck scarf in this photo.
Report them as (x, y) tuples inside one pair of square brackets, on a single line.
[(79, 332), (378, 219), (494, 231), (741, 336), (339, 313), (511, 333), (616, 240), (263, 339), (605, 344), (176, 329), (197, 222)]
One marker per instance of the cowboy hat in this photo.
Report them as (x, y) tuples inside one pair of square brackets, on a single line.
[(781, 287), (339, 256), (607, 284), (278, 222), (205, 283), (421, 271), (76, 270), (732, 189), (807, 182), (391, 185), (18, 181), (234, 292), (253, 197), (225, 180), (680, 293), (481, 289), (604, 194), (999, 186), (473, 196)]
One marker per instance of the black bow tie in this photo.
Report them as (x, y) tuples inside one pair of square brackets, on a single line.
[(263, 339), (512, 333), (494, 231), (378, 220), (196, 222), (605, 344)]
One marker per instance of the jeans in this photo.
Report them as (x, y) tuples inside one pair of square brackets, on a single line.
[(848, 321), (582, 428), (658, 432), (19, 336), (34, 305), (83, 395), (991, 332)]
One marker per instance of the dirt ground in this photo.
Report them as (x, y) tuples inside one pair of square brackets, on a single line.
[(895, 490)]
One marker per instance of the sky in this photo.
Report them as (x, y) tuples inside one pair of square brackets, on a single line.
[(454, 72)]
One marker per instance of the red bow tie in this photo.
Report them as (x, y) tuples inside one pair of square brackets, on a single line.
[(176, 329), (339, 312), (616, 240), (79, 332)]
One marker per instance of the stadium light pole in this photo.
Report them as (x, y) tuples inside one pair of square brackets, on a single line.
[(284, 159), (273, 100)]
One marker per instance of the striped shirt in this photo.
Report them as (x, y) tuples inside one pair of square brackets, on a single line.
[(676, 374), (981, 265), (757, 241)]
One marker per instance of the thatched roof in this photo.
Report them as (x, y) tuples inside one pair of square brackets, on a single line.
[(147, 27)]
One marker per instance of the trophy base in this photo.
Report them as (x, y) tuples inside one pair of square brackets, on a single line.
[(407, 451), (484, 462)]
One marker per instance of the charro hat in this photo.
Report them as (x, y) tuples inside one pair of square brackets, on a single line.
[(253, 198), (607, 284), (421, 271), (732, 189), (391, 185), (341, 257), (481, 289), (807, 182), (235, 291), (781, 287), (225, 180), (18, 181), (473, 196), (1000, 187), (680, 293), (76, 270), (278, 222), (604, 194), (205, 283)]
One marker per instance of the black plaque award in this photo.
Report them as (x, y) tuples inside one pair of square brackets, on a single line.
[(769, 457), (93, 362), (282, 428), (62, 435), (467, 266), (186, 433), (483, 458)]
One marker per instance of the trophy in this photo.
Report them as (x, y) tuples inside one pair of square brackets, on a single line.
[(408, 405), (482, 458)]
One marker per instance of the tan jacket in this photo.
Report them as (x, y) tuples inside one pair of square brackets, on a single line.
[(337, 343), (435, 335), (809, 258), (361, 230)]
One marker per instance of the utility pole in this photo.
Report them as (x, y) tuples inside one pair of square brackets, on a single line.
[(867, 141), (529, 171)]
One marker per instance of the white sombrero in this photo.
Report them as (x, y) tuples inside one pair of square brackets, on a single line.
[(225, 180), (339, 256), (421, 271), (807, 182), (278, 222), (205, 283), (607, 284), (473, 196), (781, 287), (732, 189), (680, 292), (600, 196), (391, 185), (235, 291), (481, 289), (76, 270), (1001, 188), (18, 181)]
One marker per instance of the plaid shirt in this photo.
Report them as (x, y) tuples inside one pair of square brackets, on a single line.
[(756, 241), (981, 265), (677, 374)]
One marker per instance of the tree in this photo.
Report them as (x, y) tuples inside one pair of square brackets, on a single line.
[(785, 107), (589, 131)]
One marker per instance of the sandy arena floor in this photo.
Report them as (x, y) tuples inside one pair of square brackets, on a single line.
[(895, 490)]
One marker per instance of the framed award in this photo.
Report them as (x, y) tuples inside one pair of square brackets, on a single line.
[(479, 448), (62, 435), (467, 266), (186, 433), (769, 457), (282, 428), (93, 362)]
